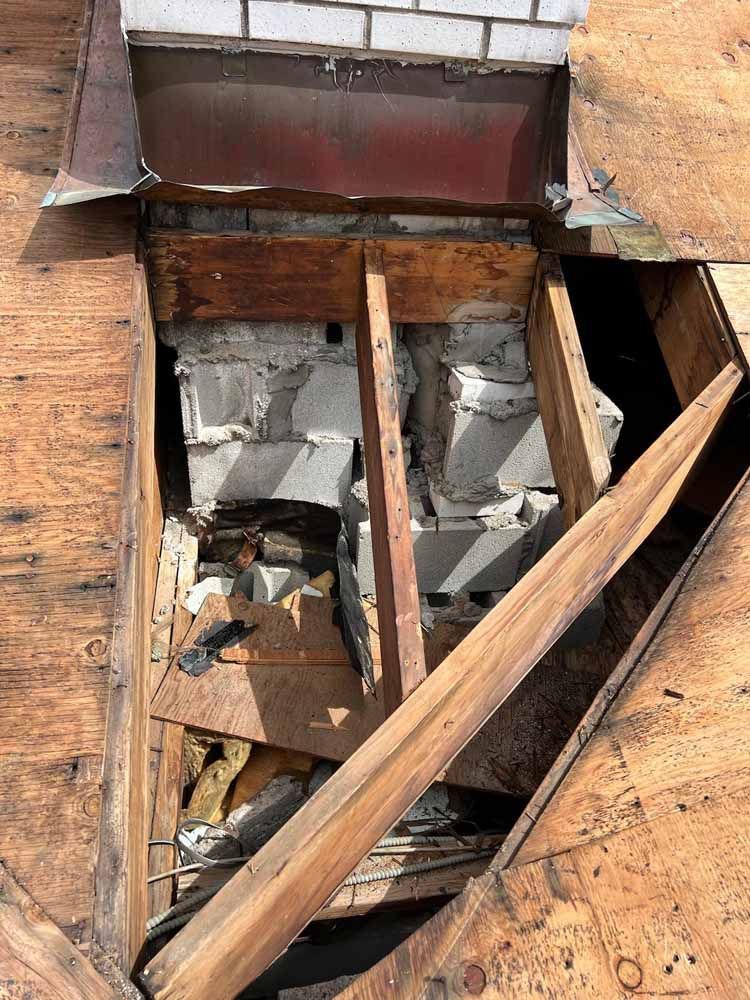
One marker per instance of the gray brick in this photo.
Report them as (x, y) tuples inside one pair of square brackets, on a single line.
[(528, 43), (514, 9), (567, 11)]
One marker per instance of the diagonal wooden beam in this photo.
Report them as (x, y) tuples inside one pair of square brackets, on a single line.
[(399, 618), (255, 917), (36, 959), (579, 457)]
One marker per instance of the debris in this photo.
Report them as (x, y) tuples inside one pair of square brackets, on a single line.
[(271, 582), (211, 585), (211, 642), (247, 553), (213, 784), (320, 991), (265, 764)]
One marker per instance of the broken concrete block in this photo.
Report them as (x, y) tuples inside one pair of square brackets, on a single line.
[(211, 585), (446, 507), (316, 471), (256, 821), (319, 991), (452, 555), (494, 433), (271, 583)]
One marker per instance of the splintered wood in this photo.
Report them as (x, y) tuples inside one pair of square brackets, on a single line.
[(299, 868)]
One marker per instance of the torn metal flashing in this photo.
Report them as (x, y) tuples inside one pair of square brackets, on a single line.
[(367, 132)]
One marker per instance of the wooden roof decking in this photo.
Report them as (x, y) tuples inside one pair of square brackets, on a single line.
[(66, 301), (629, 869)]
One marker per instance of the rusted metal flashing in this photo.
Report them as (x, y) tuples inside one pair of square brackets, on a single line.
[(367, 132)]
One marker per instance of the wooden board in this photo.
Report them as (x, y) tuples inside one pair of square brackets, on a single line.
[(322, 707), (731, 284), (688, 324), (121, 903), (579, 457), (648, 912), (659, 106), (36, 959), (299, 278), (664, 739), (399, 614), (326, 839)]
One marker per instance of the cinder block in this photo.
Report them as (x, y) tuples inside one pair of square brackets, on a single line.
[(417, 33), (495, 433), (453, 555), (319, 472), (566, 11), (518, 9), (528, 43), (271, 583), (307, 24), (180, 17), (215, 394), (445, 507), (485, 384)]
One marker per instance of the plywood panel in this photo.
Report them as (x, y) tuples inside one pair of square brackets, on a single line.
[(659, 106)]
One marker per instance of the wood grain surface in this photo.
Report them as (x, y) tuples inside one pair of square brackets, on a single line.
[(324, 841), (298, 278)]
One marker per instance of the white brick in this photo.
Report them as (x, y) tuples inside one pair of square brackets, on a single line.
[(306, 24), (567, 11), (528, 43), (518, 9), (403, 4), (438, 36), (210, 17)]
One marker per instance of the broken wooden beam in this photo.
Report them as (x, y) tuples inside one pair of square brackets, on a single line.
[(312, 278), (36, 959), (731, 285), (579, 457), (254, 918), (399, 616)]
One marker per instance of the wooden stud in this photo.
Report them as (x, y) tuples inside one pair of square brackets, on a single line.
[(312, 278), (121, 900), (399, 618), (731, 285), (36, 959), (579, 457), (254, 918)]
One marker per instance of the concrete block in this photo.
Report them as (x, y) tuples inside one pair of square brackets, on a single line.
[(420, 34), (485, 384), (307, 24), (566, 11), (203, 218), (495, 434), (445, 507), (516, 9), (180, 17), (319, 472), (215, 394), (528, 43), (271, 583), (197, 594), (453, 555), (319, 991)]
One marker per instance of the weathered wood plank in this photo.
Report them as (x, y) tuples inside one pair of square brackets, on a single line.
[(579, 457), (399, 616), (650, 911), (36, 959), (299, 278), (303, 864), (688, 324), (121, 902), (654, 759)]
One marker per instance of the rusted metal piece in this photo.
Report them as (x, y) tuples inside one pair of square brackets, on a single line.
[(101, 155), (358, 129)]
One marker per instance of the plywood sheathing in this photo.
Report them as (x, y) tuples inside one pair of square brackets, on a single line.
[(66, 294), (659, 105)]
